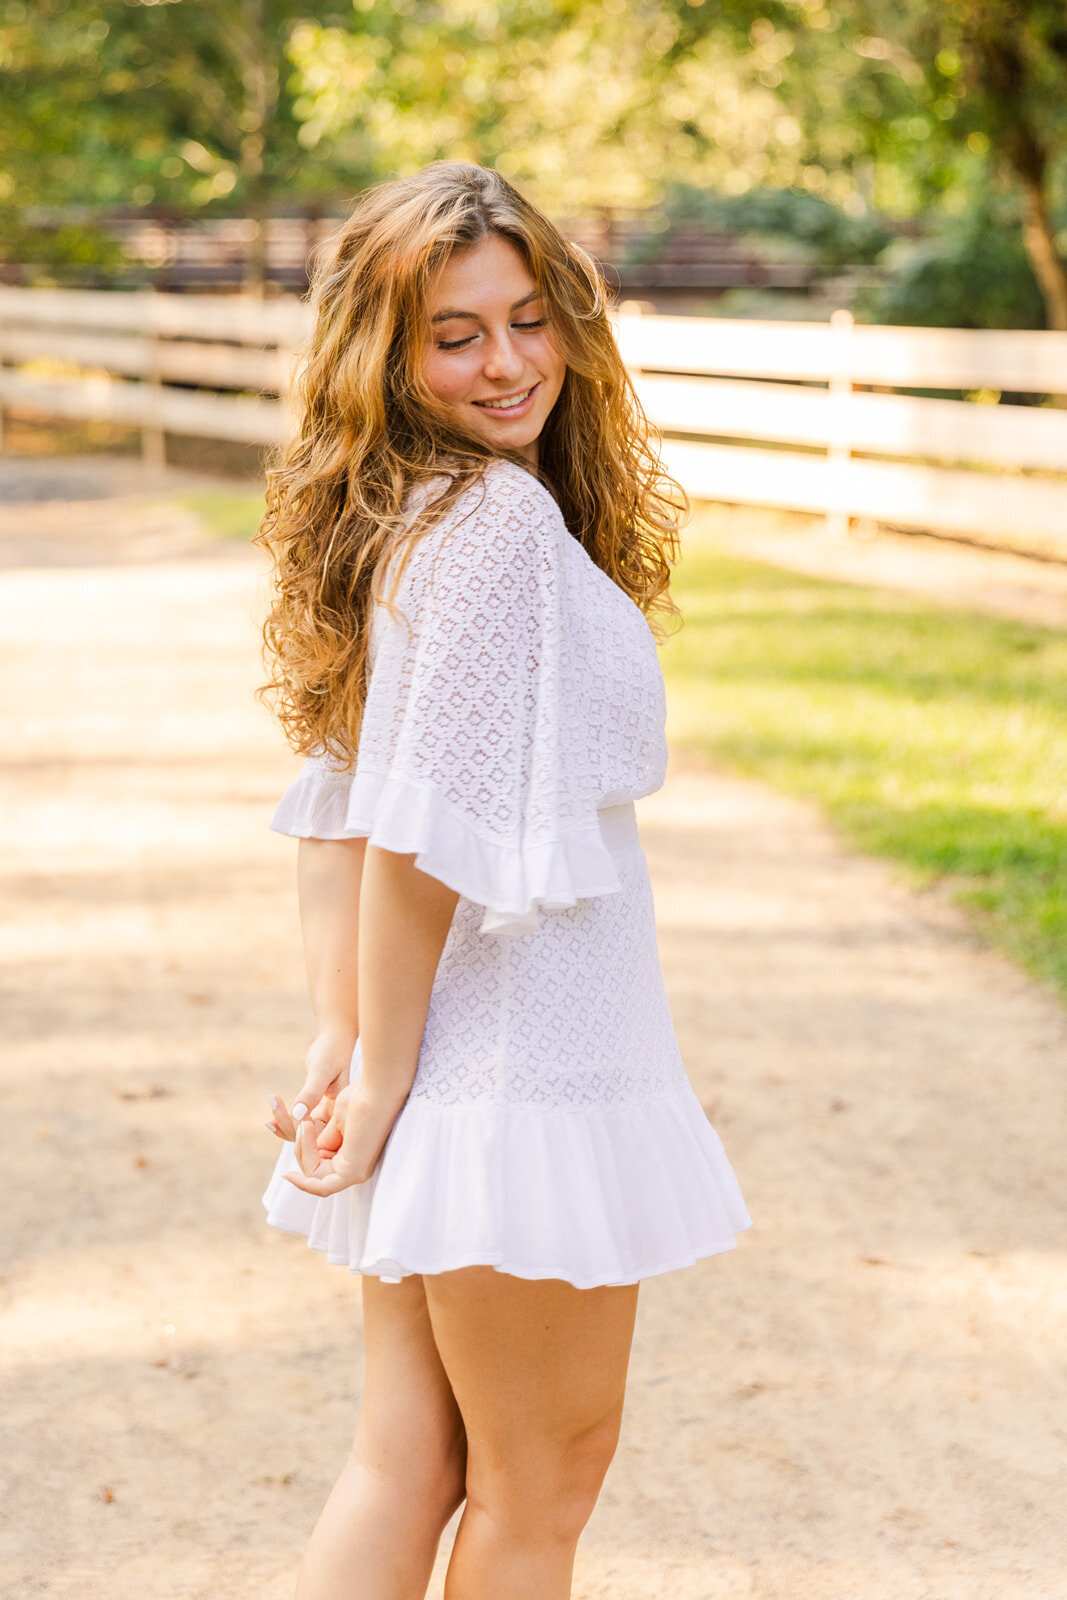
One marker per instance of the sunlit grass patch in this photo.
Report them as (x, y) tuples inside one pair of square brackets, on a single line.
[(227, 513), (936, 737)]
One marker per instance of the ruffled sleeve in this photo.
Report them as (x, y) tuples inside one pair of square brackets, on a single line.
[(475, 754)]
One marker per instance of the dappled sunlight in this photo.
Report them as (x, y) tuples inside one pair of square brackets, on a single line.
[(953, 574), (103, 1306), (937, 739), (855, 216), (175, 1303), (891, 1319)]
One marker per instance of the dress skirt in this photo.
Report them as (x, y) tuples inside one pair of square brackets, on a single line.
[(551, 1130)]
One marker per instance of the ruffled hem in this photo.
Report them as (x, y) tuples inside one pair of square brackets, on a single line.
[(608, 1194), (513, 882)]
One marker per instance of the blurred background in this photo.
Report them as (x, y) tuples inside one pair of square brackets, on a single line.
[(836, 231), (905, 160)]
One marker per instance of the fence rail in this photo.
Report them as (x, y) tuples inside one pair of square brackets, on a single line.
[(760, 413)]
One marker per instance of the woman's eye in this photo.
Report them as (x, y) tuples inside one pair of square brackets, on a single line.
[(519, 327)]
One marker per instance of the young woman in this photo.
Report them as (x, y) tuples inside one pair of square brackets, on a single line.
[(495, 1127)]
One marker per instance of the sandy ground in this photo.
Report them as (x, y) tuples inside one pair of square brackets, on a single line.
[(864, 1402)]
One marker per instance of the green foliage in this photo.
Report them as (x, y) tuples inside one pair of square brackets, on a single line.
[(936, 738), (830, 235), (71, 245), (586, 103), (913, 87), (798, 121), (973, 273), (131, 102)]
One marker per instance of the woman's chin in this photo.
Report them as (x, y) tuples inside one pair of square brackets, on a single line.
[(521, 434)]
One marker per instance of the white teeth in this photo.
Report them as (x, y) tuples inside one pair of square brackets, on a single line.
[(504, 405)]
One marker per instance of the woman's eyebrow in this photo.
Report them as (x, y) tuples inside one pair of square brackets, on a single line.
[(472, 316)]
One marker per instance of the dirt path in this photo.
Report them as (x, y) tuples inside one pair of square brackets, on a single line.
[(863, 1402), (93, 511)]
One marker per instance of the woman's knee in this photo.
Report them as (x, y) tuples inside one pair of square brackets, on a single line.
[(410, 1437), (430, 1477), (416, 1455), (449, 1479), (441, 1477), (584, 1468), (546, 1490)]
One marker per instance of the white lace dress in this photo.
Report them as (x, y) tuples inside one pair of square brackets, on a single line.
[(551, 1130)]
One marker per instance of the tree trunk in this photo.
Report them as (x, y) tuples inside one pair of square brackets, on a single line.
[(260, 75), (1030, 161), (1045, 259), (1006, 74)]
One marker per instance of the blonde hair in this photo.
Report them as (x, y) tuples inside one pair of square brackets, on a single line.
[(370, 430)]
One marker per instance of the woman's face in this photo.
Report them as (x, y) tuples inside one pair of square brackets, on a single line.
[(488, 354)]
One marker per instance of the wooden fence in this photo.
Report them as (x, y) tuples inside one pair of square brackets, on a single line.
[(202, 254), (72, 353), (804, 416)]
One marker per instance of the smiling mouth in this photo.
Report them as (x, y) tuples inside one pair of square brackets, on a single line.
[(507, 402)]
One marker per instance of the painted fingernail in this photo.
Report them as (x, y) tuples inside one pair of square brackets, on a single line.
[(273, 1099), (271, 1127), (299, 1112)]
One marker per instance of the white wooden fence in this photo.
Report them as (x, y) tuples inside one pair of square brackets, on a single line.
[(72, 352), (957, 466), (758, 413)]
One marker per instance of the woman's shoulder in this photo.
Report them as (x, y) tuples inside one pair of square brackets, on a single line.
[(505, 490), (507, 483), (503, 508)]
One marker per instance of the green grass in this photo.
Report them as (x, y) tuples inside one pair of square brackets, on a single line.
[(228, 513), (935, 737)]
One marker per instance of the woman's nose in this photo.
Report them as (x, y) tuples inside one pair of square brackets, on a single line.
[(502, 360)]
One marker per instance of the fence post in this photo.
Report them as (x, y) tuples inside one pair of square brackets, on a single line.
[(153, 439), (2, 358), (838, 519)]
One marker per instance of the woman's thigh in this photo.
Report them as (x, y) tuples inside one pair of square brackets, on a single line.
[(538, 1369), (409, 1422)]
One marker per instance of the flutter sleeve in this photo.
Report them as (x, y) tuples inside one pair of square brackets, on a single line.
[(475, 754)]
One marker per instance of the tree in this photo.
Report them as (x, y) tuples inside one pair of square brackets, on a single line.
[(883, 105), (589, 104), (1013, 62), (925, 89), (168, 103)]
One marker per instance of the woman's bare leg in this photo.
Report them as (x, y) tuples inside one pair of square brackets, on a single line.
[(378, 1534), (539, 1372)]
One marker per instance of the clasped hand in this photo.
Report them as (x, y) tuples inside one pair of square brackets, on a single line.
[(319, 1141), (337, 1142)]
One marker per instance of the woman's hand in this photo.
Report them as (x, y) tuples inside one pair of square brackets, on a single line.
[(325, 1075), (344, 1151)]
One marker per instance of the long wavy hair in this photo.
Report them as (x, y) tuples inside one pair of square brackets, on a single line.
[(370, 430)]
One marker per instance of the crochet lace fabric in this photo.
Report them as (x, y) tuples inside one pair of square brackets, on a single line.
[(514, 714), (518, 694)]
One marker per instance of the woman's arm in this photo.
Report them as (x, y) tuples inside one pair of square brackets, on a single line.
[(404, 917), (328, 875)]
